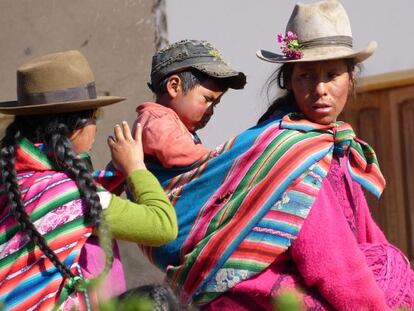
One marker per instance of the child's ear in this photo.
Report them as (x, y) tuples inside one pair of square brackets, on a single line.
[(173, 86)]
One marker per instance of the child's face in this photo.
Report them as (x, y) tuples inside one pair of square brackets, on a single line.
[(196, 107), (321, 89), (83, 138)]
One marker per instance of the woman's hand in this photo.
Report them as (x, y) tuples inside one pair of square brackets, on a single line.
[(126, 151)]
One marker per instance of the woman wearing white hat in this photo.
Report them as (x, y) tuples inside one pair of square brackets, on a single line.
[(281, 206), (52, 207), (333, 253)]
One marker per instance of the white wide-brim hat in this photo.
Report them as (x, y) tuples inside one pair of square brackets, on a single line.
[(323, 31)]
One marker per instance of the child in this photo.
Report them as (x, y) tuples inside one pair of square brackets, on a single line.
[(50, 205), (188, 79)]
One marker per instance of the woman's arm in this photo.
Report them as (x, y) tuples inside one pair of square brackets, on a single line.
[(150, 219)]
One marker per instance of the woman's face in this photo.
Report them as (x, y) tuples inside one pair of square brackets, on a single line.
[(83, 138), (321, 89)]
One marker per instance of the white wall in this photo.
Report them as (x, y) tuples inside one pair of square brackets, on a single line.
[(239, 27)]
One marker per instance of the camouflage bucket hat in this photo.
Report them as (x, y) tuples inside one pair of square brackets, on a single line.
[(200, 55)]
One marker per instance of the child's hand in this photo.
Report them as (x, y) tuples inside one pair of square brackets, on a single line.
[(126, 151)]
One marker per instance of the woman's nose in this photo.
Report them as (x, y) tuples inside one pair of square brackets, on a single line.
[(321, 88)]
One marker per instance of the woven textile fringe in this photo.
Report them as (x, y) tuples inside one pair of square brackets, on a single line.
[(393, 274)]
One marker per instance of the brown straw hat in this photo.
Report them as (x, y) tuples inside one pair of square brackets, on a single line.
[(54, 83), (323, 31)]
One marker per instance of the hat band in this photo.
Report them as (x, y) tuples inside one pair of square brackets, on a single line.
[(328, 41), (208, 58), (83, 92)]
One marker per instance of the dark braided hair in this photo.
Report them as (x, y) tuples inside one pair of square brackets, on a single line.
[(53, 130)]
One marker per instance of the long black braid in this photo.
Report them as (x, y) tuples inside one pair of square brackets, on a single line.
[(53, 131)]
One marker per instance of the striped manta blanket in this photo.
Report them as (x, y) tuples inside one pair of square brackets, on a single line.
[(244, 204), (28, 280)]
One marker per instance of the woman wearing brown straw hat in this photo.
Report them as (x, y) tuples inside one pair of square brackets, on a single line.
[(53, 207)]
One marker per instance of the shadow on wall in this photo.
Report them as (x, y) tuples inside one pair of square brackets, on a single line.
[(5, 120)]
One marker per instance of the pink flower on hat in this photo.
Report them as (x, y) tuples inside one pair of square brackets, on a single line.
[(291, 46)]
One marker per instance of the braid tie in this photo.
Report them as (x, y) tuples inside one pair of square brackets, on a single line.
[(77, 283)]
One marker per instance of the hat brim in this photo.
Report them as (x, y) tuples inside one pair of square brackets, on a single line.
[(12, 107), (320, 54), (236, 79)]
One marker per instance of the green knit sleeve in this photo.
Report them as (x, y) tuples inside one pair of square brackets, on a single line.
[(149, 220)]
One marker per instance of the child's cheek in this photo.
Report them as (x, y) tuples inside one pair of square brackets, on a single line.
[(199, 111)]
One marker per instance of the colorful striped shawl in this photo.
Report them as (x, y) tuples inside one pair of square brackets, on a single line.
[(28, 280), (238, 210)]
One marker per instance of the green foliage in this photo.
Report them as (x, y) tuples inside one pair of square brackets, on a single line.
[(134, 303), (287, 301)]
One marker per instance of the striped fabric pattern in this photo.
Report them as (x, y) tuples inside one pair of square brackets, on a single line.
[(247, 204), (363, 165), (270, 237), (28, 280)]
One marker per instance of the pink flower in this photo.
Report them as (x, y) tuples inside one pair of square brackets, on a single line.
[(291, 36), (291, 46)]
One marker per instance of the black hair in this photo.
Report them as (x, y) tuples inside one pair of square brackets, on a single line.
[(190, 78), (53, 130), (282, 78)]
